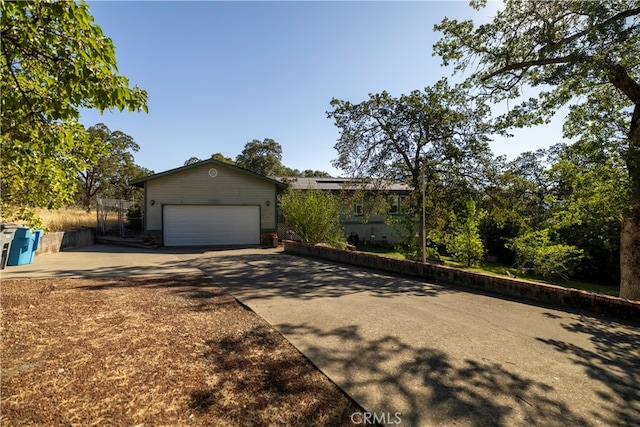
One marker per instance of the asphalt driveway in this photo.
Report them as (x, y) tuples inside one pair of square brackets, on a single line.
[(408, 350)]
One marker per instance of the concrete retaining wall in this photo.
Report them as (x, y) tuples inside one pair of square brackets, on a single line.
[(61, 240), (443, 275)]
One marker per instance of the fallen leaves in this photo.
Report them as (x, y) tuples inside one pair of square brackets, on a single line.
[(156, 351)]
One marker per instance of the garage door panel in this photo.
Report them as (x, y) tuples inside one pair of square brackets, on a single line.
[(190, 225)]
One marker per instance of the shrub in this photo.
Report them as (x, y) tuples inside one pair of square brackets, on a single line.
[(537, 253), (464, 243), (314, 215)]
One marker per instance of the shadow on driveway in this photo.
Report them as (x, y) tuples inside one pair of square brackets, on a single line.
[(439, 355), (264, 276), (442, 355), (435, 387), (613, 360)]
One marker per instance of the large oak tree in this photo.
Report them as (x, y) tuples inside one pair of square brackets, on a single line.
[(108, 174), (436, 137), (585, 54), (54, 60), (263, 157)]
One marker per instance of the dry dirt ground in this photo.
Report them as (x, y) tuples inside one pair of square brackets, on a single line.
[(152, 351)]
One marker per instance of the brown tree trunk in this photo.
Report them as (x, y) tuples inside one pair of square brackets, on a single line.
[(630, 234), (630, 257)]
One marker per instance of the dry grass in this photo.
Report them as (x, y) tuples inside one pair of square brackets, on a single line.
[(67, 219), (152, 351)]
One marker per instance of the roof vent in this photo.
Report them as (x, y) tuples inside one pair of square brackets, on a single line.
[(213, 172)]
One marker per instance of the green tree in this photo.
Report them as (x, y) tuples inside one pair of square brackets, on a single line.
[(309, 173), (587, 203), (465, 244), (314, 215), (287, 172), (529, 186), (266, 158), (53, 61), (221, 158), (514, 198), (436, 137), (263, 157), (582, 53), (109, 173)]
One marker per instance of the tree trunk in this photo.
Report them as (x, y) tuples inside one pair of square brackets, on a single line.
[(630, 234), (630, 257)]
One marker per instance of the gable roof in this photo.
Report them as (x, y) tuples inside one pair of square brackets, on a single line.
[(140, 181)]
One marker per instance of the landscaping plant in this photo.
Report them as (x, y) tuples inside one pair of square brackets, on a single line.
[(314, 215)]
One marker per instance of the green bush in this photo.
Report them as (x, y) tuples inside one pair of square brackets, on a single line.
[(314, 215), (466, 247), (536, 252), (464, 243)]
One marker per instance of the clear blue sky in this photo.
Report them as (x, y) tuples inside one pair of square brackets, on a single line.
[(220, 74)]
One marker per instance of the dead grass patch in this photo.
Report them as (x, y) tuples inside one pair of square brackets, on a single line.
[(152, 351), (64, 219)]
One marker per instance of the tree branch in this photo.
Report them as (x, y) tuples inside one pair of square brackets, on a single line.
[(620, 78), (528, 64), (621, 15), (554, 45)]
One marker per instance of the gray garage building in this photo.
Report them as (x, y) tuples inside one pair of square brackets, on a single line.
[(209, 203)]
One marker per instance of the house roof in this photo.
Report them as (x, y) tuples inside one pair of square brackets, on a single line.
[(140, 181), (337, 184)]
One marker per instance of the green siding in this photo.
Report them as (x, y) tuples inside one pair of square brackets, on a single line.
[(195, 186)]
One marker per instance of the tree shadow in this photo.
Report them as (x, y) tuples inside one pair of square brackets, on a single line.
[(267, 276), (197, 290), (264, 276), (612, 359), (428, 386), (284, 387)]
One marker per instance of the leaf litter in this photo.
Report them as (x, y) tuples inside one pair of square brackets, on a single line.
[(152, 351)]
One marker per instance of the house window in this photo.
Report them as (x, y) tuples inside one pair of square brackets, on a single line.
[(394, 205), (358, 208)]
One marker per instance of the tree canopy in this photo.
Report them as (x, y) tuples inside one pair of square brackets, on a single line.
[(54, 61), (427, 132), (436, 137), (221, 158), (263, 157), (109, 173), (585, 54), (192, 161)]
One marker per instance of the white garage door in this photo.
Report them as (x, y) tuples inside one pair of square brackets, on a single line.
[(193, 225)]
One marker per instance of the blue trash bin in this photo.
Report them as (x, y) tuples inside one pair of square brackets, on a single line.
[(23, 247), (37, 235)]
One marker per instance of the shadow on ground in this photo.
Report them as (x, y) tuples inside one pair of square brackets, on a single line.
[(281, 275), (436, 389), (266, 379), (430, 385), (613, 361)]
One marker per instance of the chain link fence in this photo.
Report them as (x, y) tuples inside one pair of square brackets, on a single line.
[(119, 217)]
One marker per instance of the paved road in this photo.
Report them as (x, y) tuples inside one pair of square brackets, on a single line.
[(435, 355)]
